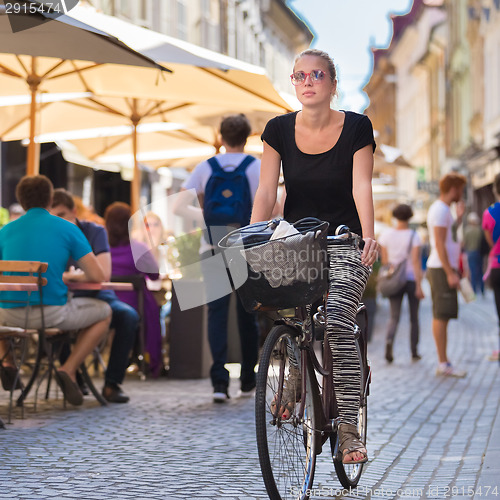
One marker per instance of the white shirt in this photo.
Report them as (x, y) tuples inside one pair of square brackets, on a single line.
[(439, 215), (397, 243), (228, 161)]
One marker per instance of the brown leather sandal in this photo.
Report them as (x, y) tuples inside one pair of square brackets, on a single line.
[(349, 442), (291, 394)]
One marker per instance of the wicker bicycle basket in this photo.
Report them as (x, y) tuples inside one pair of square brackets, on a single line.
[(281, 273)]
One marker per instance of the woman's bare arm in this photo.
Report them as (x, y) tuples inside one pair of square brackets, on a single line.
[(362, 193), (265, 197)]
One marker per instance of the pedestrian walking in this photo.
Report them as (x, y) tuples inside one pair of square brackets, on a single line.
[(491, 227), (397, 245), (327, 160), (226, 186), (472, 247), (442, 265)]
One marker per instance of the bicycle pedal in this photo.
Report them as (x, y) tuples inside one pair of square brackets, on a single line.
[(330, 426)]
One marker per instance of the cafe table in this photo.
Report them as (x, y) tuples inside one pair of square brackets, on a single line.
[(105, 285)]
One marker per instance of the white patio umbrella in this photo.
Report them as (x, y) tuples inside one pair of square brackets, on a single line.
[(161, 144), (137, 98), (53, 54), (165, 130), (208, 66)]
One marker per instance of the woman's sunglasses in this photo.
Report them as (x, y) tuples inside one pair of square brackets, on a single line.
[(299, 77)]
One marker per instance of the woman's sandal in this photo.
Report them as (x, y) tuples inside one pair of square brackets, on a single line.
[(350, 442), (287, 409), (291, 391)]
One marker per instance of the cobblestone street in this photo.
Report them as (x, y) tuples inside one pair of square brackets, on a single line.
[(429, 437)]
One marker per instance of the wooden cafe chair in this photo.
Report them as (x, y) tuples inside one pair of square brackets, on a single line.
[(26, 277)]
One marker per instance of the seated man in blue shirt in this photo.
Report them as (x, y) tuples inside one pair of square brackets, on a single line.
[(125, 319), (40, 236)]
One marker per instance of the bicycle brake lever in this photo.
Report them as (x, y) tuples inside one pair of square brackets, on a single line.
[(274, 223)]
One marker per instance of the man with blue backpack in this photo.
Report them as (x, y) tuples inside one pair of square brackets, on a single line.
[(226, 185)]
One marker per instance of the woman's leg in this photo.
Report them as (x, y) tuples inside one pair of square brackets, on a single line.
[(348, 279), (413, 303), (395, 304)]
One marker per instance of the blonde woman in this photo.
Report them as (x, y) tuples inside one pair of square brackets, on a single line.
[(327, 160)]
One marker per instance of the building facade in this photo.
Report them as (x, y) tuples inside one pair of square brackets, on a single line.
[(407, 107), (485, 125), (444, 65), (267, 33)]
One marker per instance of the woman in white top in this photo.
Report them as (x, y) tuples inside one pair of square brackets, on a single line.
[(398, 244)]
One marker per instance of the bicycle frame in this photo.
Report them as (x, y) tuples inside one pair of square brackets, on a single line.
[(296, 372), (325, 393)]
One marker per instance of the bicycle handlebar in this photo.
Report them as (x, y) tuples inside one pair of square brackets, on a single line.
[(344, 234)]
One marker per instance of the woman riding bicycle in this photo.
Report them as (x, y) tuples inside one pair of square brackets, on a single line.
[(327, 160)]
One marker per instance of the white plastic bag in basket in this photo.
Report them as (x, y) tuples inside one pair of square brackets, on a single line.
[(284, 229)]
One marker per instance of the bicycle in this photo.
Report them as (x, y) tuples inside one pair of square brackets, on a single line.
[(288, 447)]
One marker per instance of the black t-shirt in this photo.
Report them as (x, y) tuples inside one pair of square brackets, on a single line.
[(320, 185)]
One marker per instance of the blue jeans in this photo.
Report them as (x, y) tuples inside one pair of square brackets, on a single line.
[(218, 312), (125, 321), (476, 270)]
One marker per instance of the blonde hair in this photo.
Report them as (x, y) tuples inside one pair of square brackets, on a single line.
[(323, 55)]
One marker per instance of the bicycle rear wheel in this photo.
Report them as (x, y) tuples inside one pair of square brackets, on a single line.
[(287, 448)]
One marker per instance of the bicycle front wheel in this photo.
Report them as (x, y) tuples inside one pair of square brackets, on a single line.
[(287, 447), (349, 474)]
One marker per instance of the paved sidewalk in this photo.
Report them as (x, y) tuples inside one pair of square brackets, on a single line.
[(429, 437), (435, 437)]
